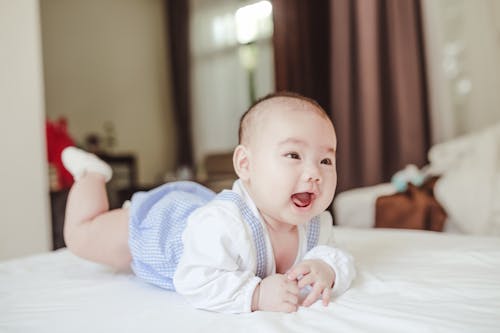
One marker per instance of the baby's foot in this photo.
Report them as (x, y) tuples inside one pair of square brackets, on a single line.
[(78, 162)]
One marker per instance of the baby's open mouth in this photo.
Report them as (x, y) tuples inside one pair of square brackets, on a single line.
[(303, 199)]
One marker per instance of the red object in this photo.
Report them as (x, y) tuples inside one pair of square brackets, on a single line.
[(58, 138)]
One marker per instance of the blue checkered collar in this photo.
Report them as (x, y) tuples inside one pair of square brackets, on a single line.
[(311, 229), (240, 189)]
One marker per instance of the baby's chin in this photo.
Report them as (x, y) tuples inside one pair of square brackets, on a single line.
[(299, 218)]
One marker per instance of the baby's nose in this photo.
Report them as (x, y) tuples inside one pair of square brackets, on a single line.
[(312, 174)]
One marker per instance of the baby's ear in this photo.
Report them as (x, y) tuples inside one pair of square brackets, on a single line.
[(241, 162)]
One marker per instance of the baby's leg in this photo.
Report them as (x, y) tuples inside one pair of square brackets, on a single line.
[(91, 231)]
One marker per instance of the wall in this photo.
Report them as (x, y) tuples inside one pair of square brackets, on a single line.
[(24, 213), (107, 61), (482, 64), (463, 59)]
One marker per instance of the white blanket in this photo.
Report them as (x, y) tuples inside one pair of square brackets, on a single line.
[(469, 187), (408, 281)]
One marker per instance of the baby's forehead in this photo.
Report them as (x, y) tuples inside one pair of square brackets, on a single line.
[(270, 108), (273, 111)]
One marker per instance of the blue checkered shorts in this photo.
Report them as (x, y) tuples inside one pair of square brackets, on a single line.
[(157, 220)]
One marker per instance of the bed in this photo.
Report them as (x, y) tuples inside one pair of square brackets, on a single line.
[(408, 281), (468, 188)]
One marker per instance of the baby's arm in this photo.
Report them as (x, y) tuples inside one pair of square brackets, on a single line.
[(314, 267), (328, 270), (315, 273), (214, 272), (340, 261)]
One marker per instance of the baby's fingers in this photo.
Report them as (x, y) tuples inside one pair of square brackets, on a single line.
[(313, 295), (306, 280), (292, 287), (291, 298), (327, 294), (288, 307), (298, 270)]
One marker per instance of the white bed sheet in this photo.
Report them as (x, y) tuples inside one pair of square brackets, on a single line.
[(408, 281)]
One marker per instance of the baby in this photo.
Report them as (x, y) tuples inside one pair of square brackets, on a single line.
[(254, 247)]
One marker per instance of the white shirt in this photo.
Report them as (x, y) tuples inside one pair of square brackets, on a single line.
[(217, 268)]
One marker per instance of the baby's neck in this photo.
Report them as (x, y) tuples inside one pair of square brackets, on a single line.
[(285, 247), (285, 243), (280, 227)]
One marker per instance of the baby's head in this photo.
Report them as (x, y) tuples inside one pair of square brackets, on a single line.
[(286, 157)]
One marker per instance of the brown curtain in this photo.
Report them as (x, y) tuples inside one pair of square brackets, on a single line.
[(178, 28), (301, 48), (378, 91), (376, 80)]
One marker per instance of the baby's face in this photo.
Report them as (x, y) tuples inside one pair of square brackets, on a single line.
[(292, 174)]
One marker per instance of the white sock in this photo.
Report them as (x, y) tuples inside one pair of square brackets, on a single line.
[(78, 162)]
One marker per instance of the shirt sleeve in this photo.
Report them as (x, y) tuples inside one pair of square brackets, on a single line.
[(212, 273), (339, 260)]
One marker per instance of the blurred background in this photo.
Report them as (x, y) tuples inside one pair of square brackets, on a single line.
[(156, 87)]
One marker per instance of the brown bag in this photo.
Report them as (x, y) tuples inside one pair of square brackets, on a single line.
[(416, 208)]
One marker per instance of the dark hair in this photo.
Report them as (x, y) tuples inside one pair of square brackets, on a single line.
[(275, 95)]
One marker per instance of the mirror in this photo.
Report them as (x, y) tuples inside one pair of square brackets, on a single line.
[(107, 72)]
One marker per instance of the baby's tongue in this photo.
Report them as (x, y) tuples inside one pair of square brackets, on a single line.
[(301, 199)]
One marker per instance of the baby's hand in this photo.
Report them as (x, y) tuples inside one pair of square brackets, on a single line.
[(276, 293), (316, 273)]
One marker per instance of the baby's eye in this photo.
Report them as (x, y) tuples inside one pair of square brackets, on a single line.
[(326, 161), (294, 156)]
